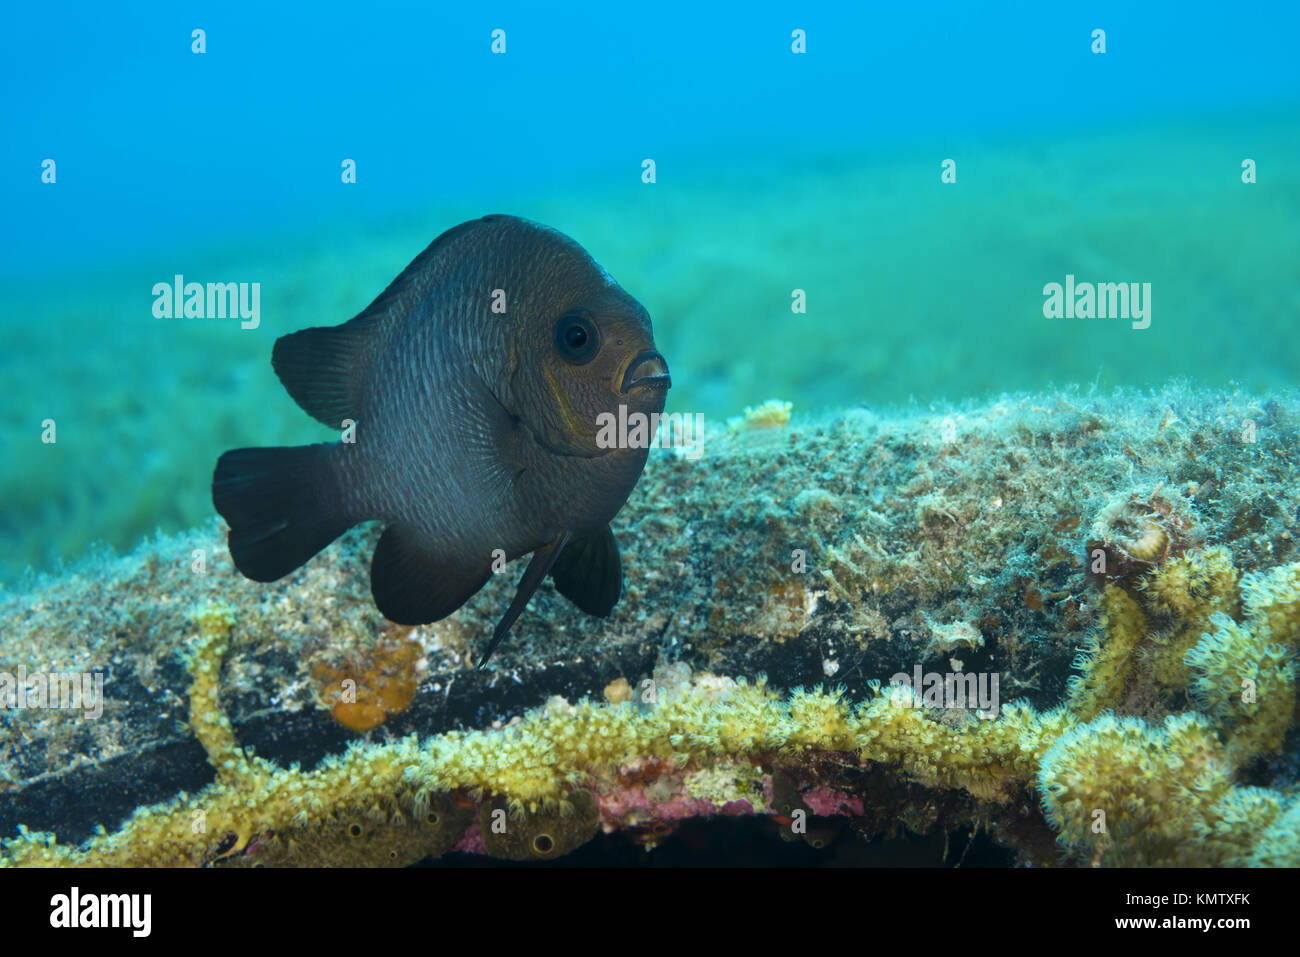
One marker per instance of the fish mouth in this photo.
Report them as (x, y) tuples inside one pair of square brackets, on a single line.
[(648, 369)]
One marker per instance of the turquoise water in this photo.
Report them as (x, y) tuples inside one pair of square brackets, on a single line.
[(775, 172)]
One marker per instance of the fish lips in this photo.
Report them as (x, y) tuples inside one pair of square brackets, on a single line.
[(648, 369)]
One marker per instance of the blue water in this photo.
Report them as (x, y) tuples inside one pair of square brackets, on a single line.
[(775, 171), (158, 146)]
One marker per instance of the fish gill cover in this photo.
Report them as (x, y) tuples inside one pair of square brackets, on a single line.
[(966, 532)]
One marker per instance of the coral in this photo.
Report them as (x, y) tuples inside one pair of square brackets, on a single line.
[(1129, 793), (1122, 787), (647, 797), (1195, 586), (1242, 676), (1133, 791), (1273, 602), (1276, 835), (1113, 788), (530, 769), (207, 718), (1106, 666), (828, 549), (1183, 595), (1136, 660)]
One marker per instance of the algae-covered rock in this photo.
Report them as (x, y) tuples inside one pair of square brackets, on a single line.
[(1044, 559)]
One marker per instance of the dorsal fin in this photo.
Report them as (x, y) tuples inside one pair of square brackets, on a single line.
[(326, 368)]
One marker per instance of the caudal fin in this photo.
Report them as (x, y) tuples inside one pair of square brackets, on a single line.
[(282, 506)]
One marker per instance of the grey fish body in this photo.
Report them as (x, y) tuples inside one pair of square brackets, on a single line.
[(474, 428)]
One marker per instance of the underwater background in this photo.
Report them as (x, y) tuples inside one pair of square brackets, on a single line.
[(856, 213), (775, 171)]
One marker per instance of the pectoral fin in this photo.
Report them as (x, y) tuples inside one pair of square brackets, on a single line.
[(589, 572)]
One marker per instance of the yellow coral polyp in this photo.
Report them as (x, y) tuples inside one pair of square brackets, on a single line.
[(207, 719), (1273, 603), (1244, 674), (1130, 788), (1106, 667), (1195, 586)]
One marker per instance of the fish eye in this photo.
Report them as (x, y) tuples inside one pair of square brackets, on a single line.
[(577, 339)]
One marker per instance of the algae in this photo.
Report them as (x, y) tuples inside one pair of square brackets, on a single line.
[(835, 550)]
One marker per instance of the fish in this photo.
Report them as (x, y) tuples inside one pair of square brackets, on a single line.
[(470, 395)]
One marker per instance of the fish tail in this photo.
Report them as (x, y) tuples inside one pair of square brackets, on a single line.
[(282, 505)]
